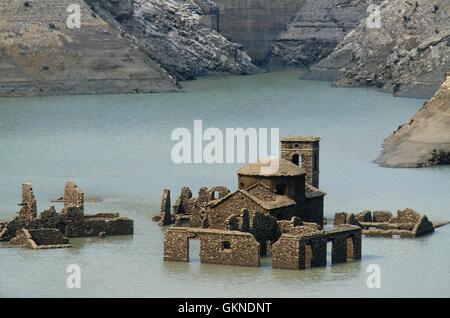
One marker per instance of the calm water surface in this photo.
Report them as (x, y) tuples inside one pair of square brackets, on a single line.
[(118, 147)]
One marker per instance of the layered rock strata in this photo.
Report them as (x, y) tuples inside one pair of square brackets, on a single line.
[(407, 55), (43, 52)]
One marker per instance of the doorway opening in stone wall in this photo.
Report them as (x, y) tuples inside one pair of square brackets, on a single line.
[(194, 250)]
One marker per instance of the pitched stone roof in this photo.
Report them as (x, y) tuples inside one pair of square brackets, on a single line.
[(313, 192), (279, 202), (286, 168)]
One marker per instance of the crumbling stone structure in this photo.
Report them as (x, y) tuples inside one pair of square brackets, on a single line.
[(73, 198), (216, 246), (301, 251), (165, 216), (278, 213), (28, 208), (406, 224), (51, 229), (40, 239), (294, 250), (281, 194), (304, 151)]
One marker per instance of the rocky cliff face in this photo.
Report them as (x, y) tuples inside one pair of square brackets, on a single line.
[(317, 29), (409, 55), (180, 35), (41, 55), (425, 139)]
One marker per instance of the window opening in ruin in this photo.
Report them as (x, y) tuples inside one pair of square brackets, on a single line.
[(281, 189), (241, 185), (296, 159), (226, 245), (215, 195)]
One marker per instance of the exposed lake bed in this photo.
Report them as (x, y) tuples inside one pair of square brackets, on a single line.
[(117, 147)]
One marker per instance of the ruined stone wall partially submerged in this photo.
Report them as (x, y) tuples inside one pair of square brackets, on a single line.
[(291, 251), (51, 229), (303, 251), (40, 239), (216, 246), (406, 224)]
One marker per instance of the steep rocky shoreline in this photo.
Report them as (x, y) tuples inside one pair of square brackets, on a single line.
[(178, 34), (408, 56), (425, 139), (317, 29), (147, 45)]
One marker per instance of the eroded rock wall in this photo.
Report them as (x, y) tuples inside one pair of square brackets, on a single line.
[(408, 55), (181, 35), (317, 29), (41, 55)]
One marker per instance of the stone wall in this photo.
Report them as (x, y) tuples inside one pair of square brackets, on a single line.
[(73, 197), (307, 148), (218, 214), (406, 224), (165, 215), (40, 239), (301, 251), (216, 246), (90, 227), (28, 206)]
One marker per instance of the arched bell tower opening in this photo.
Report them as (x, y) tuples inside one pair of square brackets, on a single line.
[(296, 159), (303, 151)]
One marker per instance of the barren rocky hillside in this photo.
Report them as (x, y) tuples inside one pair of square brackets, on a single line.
[(409, 55), (425, 139), (40, 55), (180, 35), (317, 29)]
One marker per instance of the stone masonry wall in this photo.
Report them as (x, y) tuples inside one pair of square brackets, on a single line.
[(216, 246), (73, 197), (28, 206)]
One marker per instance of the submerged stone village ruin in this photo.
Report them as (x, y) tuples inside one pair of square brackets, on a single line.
[(52, 230), (278, 214)]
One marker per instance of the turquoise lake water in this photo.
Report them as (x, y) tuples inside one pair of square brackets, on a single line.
[(118, 147)]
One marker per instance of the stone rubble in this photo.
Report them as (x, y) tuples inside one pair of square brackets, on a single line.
[(52, 229), (406, 224)]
